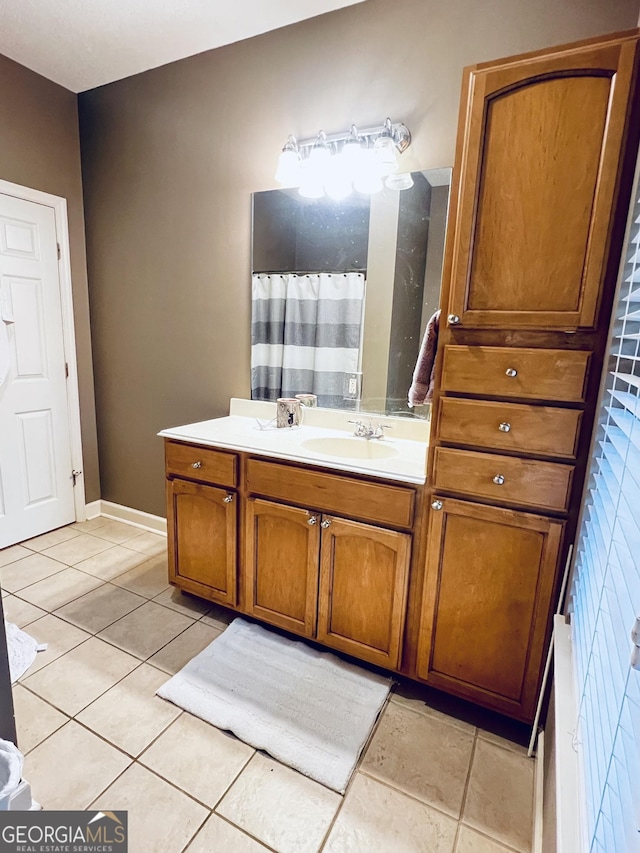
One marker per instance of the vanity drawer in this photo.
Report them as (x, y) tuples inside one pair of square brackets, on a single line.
[(509, 426), (544, 485), (377, 502), (542, 374), (201, 463)]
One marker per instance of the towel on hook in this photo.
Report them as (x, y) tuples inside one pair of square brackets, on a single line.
[(421, 390)]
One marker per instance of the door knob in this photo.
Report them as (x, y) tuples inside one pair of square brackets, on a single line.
[(453, 319), (326, 523), (312, 520), (196, 464), (498, 479), (505, 427), (436, 505), (511, 371), (228, 499)]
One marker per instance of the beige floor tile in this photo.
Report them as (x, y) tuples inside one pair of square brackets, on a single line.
[(411, 698), (218, 836), (74, 680), (30, 570), (500, 795), (108, 564), (148, 543), (182, 602), (502, 741), (280, 807), (422, 755), (13, 553), (116, 531), (100, 607), (73, 766), (59, 589), (186, 646), (130, 715), (149, 578), (59, 636), (470, 841), (47, 540), (82, 546), (20, 612), (160, 817), (89, 525), (377, 818), (198, 758), (35, 718), (146, 630), (219, 617)]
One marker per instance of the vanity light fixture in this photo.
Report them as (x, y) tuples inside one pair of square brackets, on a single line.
[(338, 163)]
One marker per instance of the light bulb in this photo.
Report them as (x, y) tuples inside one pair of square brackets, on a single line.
[(400, 181), (288, 171), (385, 152)]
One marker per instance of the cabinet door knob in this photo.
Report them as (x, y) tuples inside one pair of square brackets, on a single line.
[(326, 523), (436, 504), (505, 427), (511, 371), (498, 479), (312, 520), (453, 319), (228, 499), (196, 464)]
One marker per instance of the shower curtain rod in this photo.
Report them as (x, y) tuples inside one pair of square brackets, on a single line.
[(308, 272)]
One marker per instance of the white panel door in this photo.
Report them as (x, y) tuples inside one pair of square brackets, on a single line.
[(36, 484)]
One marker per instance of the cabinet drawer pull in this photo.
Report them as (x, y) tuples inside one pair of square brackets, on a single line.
[(505, 427), (498, 479), (196, 464), (436, 505), (228, 499), (312, 520), (326, 523), (453, 319), (511, 371)]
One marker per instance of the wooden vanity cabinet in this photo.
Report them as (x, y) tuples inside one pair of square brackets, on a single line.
[(539, 170), (343, 582), (487, 597), (539, 197)]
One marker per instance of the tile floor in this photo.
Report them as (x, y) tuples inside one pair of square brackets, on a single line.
[(95, 735)]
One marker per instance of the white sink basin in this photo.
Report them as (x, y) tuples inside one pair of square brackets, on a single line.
[(349, 448)]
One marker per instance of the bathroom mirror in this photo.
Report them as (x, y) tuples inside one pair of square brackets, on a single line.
[(342, 292)]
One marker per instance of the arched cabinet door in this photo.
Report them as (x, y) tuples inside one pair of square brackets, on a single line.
[(538, 179)]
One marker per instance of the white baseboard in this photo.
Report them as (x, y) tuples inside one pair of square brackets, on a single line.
[(128, 515), (569, 819), (538, 796)]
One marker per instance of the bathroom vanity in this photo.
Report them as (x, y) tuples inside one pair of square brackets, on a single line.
[(449, 572), (320, 542)]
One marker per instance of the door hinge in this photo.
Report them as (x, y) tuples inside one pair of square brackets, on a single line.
[(66, 370), (59, 252), (75, 474)]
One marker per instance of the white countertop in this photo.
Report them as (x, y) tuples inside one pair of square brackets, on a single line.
[(242, 432)]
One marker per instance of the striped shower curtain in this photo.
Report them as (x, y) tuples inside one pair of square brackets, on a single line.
[(305, 335)]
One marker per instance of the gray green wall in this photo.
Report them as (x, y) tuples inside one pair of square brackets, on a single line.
[(40, 148), (170, 158)]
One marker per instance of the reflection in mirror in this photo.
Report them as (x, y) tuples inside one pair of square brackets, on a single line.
[(342, 292)]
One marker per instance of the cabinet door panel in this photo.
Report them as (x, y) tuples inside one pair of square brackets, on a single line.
[(363, 588), (540, 164), (282, 565), (202, 540), (490, 578)]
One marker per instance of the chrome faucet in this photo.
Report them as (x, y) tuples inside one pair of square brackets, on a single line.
[(369, 432)]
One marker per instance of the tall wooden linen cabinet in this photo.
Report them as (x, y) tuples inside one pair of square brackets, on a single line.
[(540, 190)]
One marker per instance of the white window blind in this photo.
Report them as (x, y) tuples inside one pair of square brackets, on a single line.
[(606, 587)]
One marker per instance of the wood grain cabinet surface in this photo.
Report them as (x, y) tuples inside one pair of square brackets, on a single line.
[(487, 598), (541, 146)]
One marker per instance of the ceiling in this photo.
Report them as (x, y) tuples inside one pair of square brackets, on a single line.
[(81, 44)]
